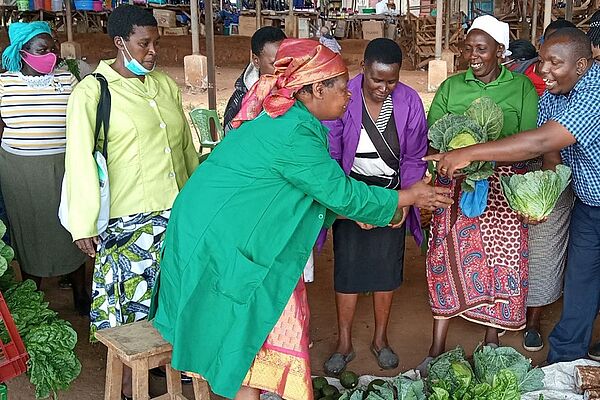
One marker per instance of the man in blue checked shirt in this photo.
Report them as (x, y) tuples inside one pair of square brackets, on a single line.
[(571, 106)]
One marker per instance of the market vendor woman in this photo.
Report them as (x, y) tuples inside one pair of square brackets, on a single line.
[(230, 296)]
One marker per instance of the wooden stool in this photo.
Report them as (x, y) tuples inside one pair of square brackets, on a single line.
[(140, 347)]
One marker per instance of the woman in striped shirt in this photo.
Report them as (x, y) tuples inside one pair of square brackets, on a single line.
[(33, 104)]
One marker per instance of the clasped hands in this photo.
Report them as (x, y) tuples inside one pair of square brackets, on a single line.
[(422, 195)]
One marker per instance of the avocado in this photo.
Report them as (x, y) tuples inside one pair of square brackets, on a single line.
[(349, 379), (319, 382), (329, 391)]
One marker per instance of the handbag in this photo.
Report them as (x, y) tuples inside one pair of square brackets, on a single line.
[(100, 156)]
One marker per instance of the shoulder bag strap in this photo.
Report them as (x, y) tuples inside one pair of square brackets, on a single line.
[(102, 114)]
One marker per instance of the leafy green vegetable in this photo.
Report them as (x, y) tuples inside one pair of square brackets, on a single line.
[(488, 115), (444, 130), (50, 341), (482, 122), (489, 362), (505, 387), (535, 194)]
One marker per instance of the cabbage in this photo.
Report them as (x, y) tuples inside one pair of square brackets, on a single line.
[(482, 122), (535, 194), (488, 115), (490, 362)]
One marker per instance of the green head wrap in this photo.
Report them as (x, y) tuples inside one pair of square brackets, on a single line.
[(20, 33)]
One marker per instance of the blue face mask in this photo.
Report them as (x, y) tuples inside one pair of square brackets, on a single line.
[(133, 65)]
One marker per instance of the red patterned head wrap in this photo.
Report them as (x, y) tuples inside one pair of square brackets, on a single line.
[(299, 62)]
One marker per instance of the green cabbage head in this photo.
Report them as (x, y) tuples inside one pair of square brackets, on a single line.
[(535, 194)]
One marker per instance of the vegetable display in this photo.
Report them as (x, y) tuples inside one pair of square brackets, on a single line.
[(50, 341), (482, 122), (496, 374), (535, 194)]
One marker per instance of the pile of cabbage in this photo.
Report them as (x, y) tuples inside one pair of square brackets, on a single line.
[(535, 194), (482, 122), (497, 374)]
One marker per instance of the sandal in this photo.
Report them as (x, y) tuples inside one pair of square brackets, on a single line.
[(423, 368), (386, 358), (336, 364)]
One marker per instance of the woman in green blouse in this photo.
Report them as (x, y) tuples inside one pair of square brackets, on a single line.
[(477, 264), (150, 157)]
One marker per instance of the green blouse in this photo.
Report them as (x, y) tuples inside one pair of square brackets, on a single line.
[(513, 92)]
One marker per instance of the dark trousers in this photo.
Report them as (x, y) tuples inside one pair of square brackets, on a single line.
[(571, 336)]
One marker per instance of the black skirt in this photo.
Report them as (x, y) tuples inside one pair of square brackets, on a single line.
[(367, 260)]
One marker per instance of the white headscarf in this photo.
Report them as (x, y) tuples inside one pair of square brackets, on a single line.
[(500, 31)]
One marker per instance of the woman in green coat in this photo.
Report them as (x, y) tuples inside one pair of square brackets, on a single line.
[(230, 296)]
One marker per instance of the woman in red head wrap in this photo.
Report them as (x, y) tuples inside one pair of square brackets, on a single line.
[(230, 297)]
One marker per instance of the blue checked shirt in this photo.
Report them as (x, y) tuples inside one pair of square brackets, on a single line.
[(579, 112)]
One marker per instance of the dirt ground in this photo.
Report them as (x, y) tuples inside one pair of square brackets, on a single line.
[(410, 323)]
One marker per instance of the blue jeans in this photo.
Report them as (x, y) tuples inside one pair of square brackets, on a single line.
[(571, 336)]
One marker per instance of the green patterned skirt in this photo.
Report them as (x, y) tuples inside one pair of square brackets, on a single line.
[(126, 268)]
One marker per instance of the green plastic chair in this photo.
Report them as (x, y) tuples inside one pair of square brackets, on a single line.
[(201, 119)]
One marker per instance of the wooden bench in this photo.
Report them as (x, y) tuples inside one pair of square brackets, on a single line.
[(140, 347)]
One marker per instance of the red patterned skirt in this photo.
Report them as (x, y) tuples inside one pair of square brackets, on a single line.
[(477, 267)]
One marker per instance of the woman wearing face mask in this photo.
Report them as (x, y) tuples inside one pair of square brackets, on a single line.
[(150, 157), (488, 283), (33, 105)]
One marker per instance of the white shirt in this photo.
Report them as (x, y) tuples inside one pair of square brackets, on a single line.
[(381, 7)]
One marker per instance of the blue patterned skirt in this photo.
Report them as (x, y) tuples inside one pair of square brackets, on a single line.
[(126, 267)]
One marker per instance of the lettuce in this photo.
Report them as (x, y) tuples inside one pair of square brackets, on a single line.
[(535, 194)]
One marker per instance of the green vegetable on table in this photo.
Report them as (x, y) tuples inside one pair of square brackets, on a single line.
[(482, 122), (535, 194), (49, 341)]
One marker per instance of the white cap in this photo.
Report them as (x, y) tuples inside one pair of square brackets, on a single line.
[(499, 30)]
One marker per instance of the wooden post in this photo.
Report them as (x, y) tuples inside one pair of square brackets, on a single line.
[(547, 13), (258, 7), (210, 55), (69, 16), (534, 21), (195, 17), (524, 26), (447, 27), (569, 11), (439, 22)]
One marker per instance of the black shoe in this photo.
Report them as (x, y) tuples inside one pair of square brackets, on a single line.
[(160, 373), (594, 352), (532, 340)]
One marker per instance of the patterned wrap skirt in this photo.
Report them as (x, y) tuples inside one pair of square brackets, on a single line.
[(282, 365), (126, 267), (477, 268)]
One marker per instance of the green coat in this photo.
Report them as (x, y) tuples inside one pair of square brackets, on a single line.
[(240, 233)]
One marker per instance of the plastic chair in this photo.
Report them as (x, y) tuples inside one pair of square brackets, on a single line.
[(201, 119)]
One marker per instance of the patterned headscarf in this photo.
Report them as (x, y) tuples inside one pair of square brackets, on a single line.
[(20, 33), (299, 62)]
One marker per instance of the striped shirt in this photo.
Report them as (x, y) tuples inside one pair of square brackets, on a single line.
[(34, 116)]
